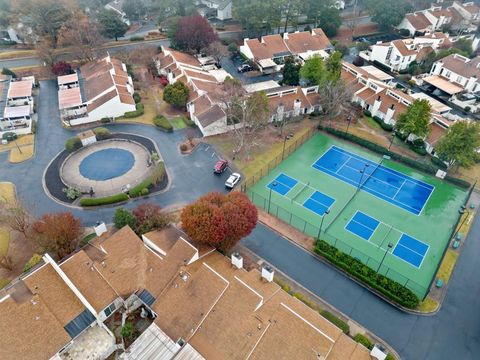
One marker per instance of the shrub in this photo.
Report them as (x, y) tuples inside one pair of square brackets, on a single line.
[(390, 357), (384, 285), (383, 124), (86, 240), (128, 330), (158, 174), (176, 94), (73, 144), (188, 121), (137, 190), (101, 133), (137, 97), (123, 217), (358, 61), (430, 169), (163, 80), (72, 193), (138, 112), (365, 341), (34, 260), (104, 200), (367, 113), (9, 136), (6, 71), (144, 191), (232, 48), (404, 32), (467, 109), (183, 147), (437, 162), (162, 123), (105, 120), (137, 38), (336, 321)]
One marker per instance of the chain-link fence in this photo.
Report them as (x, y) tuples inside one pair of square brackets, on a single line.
[(314, 231)]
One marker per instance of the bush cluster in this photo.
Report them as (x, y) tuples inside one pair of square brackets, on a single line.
[(138, 112), (137, 38), (140, 188), (34, 260), (188, 121), (384, 285), (430, 169), (101, 133), (104, 200), (336, 321), (383, 124), (162, 123), (137, 97), (365, 341), (73, 144)]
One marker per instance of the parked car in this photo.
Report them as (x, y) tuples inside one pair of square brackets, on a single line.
[(232, 180), (220, 166), (244, 68)]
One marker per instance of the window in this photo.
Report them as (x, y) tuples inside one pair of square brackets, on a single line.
[(109, 310)]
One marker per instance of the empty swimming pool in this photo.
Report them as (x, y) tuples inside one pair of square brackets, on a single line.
[(107, 164)]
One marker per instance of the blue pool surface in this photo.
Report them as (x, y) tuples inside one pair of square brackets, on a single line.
[(106, 164), (387, 184)]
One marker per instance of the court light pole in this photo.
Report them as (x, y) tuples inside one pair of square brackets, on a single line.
[(284, 142), (349, 119), (270, 197), (321, 223), (391, 141), (390, 245)]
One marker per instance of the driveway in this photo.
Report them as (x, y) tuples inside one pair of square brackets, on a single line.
[(453, 333), (190, 176)]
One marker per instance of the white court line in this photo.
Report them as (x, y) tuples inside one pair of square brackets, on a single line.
[(398, 190)]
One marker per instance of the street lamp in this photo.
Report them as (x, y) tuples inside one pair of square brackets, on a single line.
[(270, 196), (349, 119), (391, 141), (284, 142), (321, 223), (390, 245)]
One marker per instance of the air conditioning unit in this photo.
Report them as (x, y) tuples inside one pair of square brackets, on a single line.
[(267, 273), (237, 260)]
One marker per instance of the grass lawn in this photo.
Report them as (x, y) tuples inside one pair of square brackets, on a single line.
[(7, 192), (447, 266), (21, 141), (26, 153), (4, 282), (372, 123), (149, 107), (4, 241), (178, 122), (270, 147), (428, 305), (16, 54)]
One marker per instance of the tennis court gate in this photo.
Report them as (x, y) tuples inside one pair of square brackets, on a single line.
[(313, 230)]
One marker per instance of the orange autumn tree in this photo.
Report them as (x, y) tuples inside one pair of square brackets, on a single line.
[(220, 220)]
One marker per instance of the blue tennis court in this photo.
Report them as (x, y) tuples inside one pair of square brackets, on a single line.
[(362, 225), (282, 184), (410, 250), (319, 203), (387, 184)]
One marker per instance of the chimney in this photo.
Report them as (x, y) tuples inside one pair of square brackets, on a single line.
[(100, 228), (267, 273), (237, 260)]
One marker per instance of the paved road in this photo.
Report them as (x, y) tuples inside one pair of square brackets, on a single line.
[(191, 176), (454, 333)]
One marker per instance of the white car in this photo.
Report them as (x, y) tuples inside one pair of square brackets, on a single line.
[(232, 180)]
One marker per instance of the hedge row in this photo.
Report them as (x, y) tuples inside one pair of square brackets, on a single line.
[(383, 124), (104, 200), (336, 321), (386, 286), (430, 169), (138, 112), (140, 188), (365, 341), (162, 123)]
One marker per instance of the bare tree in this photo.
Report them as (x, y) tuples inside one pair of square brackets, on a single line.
[(17, 219), (45, 50), (332, 96), (217, 50), (6, 263), (83, 35), (247, 113), (351, 25)]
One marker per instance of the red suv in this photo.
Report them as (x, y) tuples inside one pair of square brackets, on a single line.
[(220, 166)]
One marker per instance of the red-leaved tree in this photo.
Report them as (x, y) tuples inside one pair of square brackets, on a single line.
[(219, 220), (149, 217), (194, 33), (58, 233), (62, 68)]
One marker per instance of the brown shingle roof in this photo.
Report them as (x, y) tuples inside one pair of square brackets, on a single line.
[(102, 100), (402, 48), (29, 330), (210, 116), (461, 65), (98, 85), (418, 20), (302, 42), (81, 270), (57, 296), (270, 45)]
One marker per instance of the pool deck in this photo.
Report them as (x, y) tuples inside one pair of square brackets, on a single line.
[(70, 170)]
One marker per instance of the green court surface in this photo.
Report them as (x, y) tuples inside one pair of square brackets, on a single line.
[(432, 226)]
